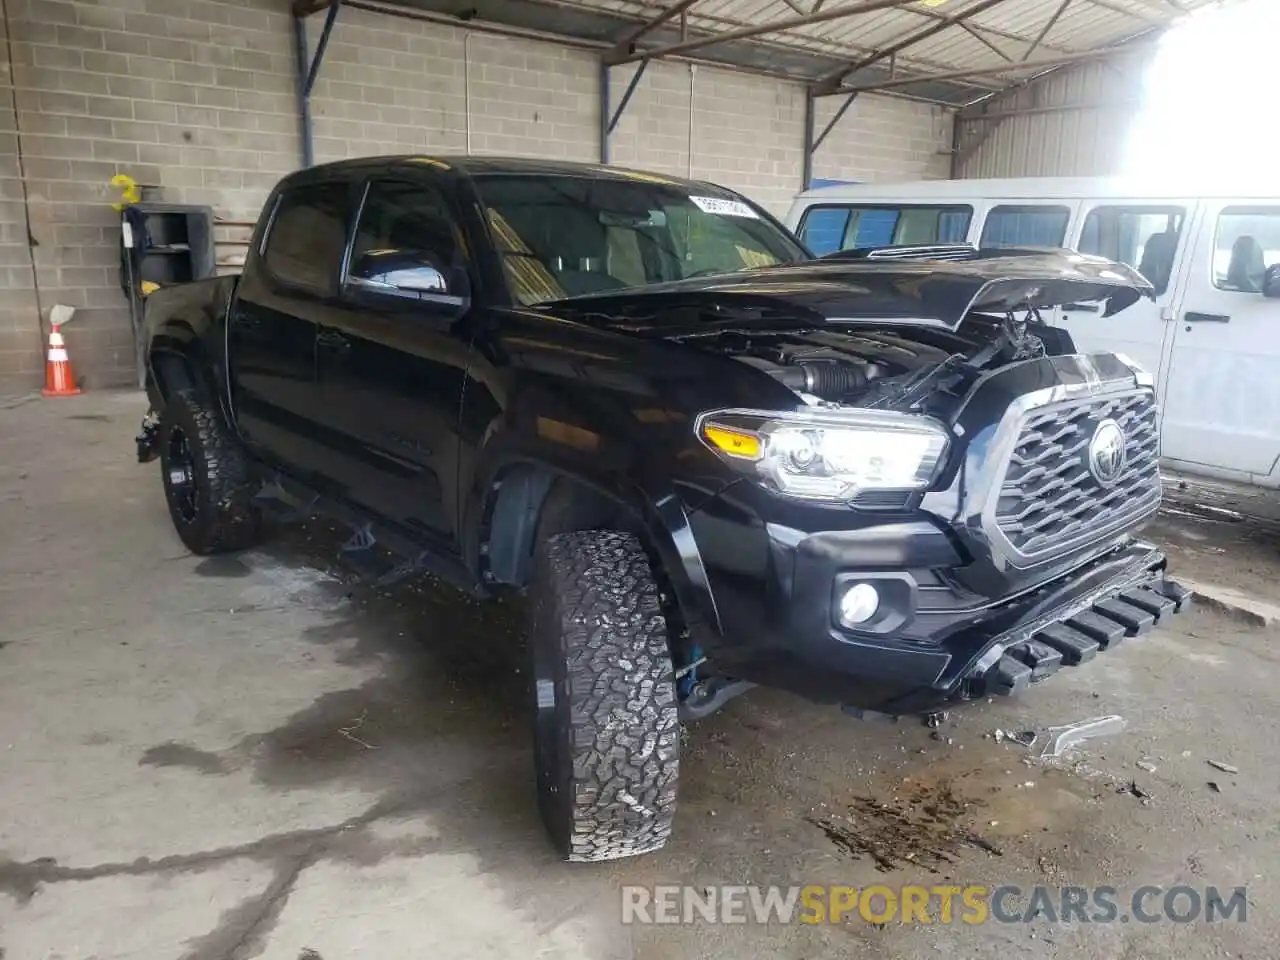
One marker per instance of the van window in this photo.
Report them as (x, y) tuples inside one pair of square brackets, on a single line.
[(1146, 238), (1246, 243), (827, 228), (1025, 226)]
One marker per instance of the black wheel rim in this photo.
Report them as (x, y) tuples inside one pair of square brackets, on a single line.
[(181, 474)]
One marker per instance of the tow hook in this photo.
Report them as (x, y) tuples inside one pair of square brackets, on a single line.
[(148, 438)]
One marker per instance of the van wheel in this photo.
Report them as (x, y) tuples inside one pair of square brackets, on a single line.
[(607, 734), (206, 475)]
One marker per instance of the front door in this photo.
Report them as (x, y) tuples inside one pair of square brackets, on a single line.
[(271, 329), (1151, 238), (1221, 402), (392, 369)]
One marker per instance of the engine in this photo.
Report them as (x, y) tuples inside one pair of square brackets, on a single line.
[(835, 371)]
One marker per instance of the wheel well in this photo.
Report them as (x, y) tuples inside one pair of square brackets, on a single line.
[(172, 371), (534, 502)]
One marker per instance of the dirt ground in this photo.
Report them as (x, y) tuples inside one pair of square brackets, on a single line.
[(252, 756)]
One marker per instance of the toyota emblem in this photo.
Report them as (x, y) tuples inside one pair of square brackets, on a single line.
[(1107, 455)]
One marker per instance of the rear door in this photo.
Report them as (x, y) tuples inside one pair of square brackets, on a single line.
[(271, 330), (1221, 402), (1151, 237)]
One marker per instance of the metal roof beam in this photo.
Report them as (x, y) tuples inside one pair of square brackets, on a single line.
[(1046, 28), (967, 28), (624, 45), (1047, 63), (980, 28), (746, 33), (831, 81)]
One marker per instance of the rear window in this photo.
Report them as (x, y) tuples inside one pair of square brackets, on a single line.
[(826, 228), (307, 236), (1025, 225)]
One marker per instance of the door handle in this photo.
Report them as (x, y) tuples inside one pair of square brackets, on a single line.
[(1195, 316), (1080, 308), (332, 341)]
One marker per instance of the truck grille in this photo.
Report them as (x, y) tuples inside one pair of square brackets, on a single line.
[(1050, 497)]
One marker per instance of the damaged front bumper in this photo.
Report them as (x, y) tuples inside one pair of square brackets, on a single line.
[(1069, 625)]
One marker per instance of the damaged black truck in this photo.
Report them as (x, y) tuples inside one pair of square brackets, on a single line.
[(709, 460)]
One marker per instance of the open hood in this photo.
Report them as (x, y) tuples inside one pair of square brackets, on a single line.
[(919, 293)]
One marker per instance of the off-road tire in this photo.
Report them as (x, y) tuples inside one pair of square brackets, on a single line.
[(607, 733), (209, 496)]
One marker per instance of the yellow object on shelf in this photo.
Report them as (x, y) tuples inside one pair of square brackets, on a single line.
[(130, 192), (149, 286)]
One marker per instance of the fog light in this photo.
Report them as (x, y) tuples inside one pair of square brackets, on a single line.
[(859, 604)]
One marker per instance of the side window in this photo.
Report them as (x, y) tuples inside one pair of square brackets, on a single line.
[(1246, 242), (307, 236), (404, 215), (1146, 238), (826, 229), (1025, 225), (822, 229)]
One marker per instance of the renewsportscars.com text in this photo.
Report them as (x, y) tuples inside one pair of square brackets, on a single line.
[(944, 904)]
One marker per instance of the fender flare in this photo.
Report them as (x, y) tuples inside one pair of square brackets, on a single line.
[(661, 514)]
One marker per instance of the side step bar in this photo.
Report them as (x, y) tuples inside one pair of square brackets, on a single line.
[(1079, 638), (377, 552)]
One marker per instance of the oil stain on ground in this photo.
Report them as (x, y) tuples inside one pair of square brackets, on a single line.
[(925, 828)]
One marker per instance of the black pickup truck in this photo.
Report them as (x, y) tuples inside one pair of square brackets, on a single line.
[(709, 460)]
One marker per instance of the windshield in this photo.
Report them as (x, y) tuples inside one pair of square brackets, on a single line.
[(565, 236)]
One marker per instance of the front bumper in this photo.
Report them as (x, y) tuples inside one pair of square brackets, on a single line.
[(773, 590)]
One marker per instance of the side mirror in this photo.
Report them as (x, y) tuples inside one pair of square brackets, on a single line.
[(417, 276), (1271, 282)]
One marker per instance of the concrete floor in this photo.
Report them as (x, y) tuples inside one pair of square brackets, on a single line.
[(250, 757)]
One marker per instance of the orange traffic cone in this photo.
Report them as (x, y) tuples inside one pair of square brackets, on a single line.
[(58, 379)]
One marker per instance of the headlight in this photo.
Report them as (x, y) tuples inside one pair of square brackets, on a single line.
[(827, 455)]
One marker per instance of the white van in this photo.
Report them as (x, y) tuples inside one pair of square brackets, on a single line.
[(1211, 338)]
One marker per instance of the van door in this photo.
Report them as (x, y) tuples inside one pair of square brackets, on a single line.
[(1221, 405), (1151, 237)]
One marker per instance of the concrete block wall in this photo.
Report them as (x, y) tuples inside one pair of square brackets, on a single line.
[(19, 312), (396, 85), (195, 96), (748, 132), (883, 138), (198, 98)]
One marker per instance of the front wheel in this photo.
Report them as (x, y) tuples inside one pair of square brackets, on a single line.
[(207, 481), (607, 732)]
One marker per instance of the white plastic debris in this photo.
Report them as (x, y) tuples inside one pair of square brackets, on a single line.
[(1062, 739)]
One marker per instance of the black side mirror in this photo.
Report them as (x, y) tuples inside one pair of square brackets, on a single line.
[(1271, 282), (414, 275)]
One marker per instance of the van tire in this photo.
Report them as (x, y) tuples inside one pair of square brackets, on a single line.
[(606, 727), (207, 480)]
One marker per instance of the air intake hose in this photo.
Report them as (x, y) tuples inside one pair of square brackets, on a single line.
[(830, 381)]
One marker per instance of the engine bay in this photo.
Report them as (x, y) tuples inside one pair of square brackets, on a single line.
[(899, 368)]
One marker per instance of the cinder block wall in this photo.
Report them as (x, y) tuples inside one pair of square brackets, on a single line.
[(19, 312), (198, 98), (194, 96)]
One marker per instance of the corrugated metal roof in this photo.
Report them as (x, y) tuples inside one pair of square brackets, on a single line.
[(1003, 32)]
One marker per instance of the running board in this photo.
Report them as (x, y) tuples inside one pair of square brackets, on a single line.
[(374, 564)]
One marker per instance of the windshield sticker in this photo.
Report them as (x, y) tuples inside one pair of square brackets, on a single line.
[(726, 208)]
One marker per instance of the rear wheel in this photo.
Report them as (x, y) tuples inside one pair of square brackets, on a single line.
[(206, 476), (607, 733)]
